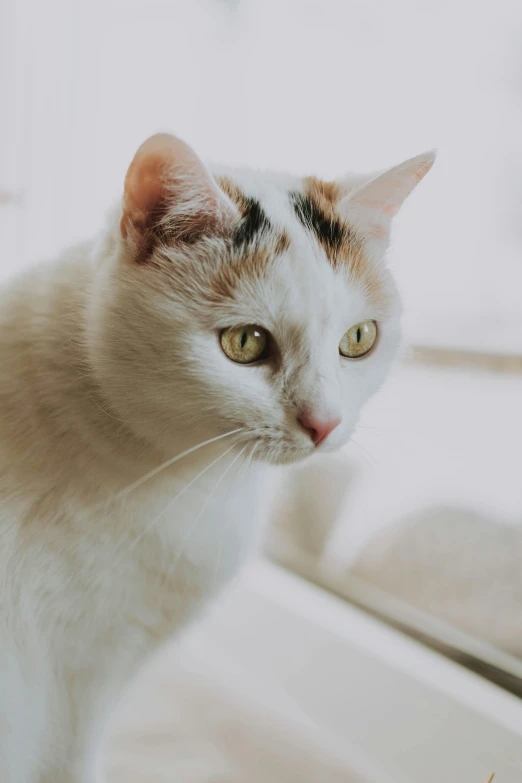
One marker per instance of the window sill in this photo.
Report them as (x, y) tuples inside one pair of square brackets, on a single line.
[(401, 711), (487, 332)]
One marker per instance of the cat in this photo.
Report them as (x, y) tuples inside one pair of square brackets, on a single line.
[(221, 322)]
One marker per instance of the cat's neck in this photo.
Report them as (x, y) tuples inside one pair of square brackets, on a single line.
[(56, 419)]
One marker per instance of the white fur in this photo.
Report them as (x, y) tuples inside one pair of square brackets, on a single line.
[(108, 370)]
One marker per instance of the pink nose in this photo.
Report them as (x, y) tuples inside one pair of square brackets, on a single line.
[(318, 428)]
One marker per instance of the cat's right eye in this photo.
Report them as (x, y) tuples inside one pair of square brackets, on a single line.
[(245, 344), (359, 340)]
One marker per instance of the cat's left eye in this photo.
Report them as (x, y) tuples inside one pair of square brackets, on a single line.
[(358, 340), (245, 344)]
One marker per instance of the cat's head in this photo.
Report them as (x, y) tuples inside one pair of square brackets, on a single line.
[(245, 300)]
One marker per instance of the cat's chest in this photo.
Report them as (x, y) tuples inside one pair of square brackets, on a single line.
[(146, 584)]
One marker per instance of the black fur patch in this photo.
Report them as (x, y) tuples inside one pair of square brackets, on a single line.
[(254, 224), (331, 232)]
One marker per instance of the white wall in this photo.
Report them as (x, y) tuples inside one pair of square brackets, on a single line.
[(327, 86)]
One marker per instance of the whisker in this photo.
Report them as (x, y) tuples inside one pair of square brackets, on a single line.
[(372, 461), (178, 495), (131, 487), (247, 461), (193, 524), (249, 465)]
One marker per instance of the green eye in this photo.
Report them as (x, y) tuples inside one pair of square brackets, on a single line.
[(358, 340), (245, 344)]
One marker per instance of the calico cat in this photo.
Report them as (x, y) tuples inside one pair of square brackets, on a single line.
[(221, 322)]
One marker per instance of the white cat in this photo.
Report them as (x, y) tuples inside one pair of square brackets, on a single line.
[(238, 319)]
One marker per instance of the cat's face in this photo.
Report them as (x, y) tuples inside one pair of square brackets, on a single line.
[(249, 302)]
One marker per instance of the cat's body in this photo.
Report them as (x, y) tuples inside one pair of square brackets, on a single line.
[(111, 366), (95, 602)]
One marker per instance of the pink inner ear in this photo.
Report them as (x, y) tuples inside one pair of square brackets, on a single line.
[(145, 182), (166, 176)]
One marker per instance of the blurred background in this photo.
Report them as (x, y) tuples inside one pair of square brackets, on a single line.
[(420, 520)]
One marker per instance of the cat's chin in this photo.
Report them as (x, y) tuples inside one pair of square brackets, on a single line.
[(282, 452), (282, 455)]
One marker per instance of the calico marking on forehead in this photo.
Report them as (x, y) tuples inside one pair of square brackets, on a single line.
[(317, 209), (255, 243), (254, 224), (254, 227)]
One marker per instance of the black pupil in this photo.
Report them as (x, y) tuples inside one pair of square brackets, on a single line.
[(359, 335), (243, 340)]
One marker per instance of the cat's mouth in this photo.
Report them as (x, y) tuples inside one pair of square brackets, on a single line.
[(282, 456), (283, 447), (279, 448)]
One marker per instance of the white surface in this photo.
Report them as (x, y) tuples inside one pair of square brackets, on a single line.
[(372, 699), (434, 437), (417, 716)]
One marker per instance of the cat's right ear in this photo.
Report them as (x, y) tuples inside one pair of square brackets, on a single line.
[(371, 207), (169, 192)]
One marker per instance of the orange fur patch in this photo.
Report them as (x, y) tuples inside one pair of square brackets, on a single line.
[(349, 256), (253, 265), (251, 261), (233, 191), (324, 194)]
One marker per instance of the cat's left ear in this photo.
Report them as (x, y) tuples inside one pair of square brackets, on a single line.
[(169, 194), (371, 207)]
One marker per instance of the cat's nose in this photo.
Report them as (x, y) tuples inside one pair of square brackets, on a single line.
[(318, 427)]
